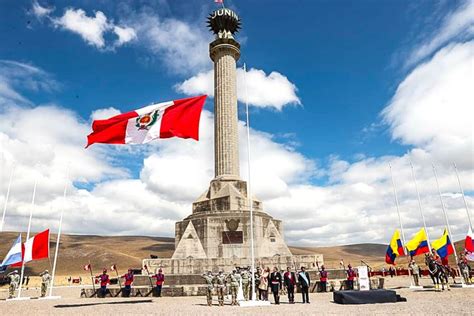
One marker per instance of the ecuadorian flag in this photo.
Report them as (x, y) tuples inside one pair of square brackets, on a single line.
[(419, 244), (443, 246), (395, 248)]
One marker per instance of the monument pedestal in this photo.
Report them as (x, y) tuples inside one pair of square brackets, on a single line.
[(219, 226)]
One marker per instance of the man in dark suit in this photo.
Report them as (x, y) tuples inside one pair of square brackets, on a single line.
[(275, 284), (290, 282), (304, 281)]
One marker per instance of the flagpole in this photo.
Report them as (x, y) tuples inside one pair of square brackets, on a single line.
[(6, 197), (419, 206), (27, 236), (463, 196), (447, 222), (400, 220), (59, 234), (249, 191)]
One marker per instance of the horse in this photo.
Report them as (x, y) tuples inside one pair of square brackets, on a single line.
[(437, 273)]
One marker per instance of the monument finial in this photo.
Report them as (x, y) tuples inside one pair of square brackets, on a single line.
[(224, 23)]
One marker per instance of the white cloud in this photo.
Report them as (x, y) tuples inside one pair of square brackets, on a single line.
[(429, 112), (459, 23), (15, 74), (40, 11), (101, 114), (254, 86), (180, 45), (93, 29), (432, 107), (125, 34)]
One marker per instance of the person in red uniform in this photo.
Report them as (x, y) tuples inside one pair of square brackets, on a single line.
[(350, 277), (128, 277), (323, 279), (290, 283), (160, 279), (104, 280)]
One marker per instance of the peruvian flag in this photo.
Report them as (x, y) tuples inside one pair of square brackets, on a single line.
[(87, 267), (469, 244), (113, 267), (178, 118), (36, 248)]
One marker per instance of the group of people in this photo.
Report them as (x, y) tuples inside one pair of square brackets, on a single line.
[(266, 281), (128, 278), (463, 265), (15, 282)]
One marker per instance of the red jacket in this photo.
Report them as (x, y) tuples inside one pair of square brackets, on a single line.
[(160, 278), (104, 279), (351, 274), (128, 278), (323, 275), (289, 278)]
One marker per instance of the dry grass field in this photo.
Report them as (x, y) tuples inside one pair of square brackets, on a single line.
[(128, 251)]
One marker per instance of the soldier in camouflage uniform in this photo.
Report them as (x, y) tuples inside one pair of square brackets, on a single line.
[(210, 285), (234, 280), (245, 275), (219, 280), (14, 283), (45, 279)]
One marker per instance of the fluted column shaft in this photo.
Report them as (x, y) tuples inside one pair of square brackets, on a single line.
[(225, 53)]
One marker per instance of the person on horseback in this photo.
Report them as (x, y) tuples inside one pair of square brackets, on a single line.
[(436, 257), (436, 271)]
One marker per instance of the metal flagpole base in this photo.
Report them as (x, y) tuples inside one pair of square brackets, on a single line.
[(254, 303), (50, 298), (23, 298)]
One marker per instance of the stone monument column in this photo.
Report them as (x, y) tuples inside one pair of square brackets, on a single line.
[(224, 53), (219, 226)]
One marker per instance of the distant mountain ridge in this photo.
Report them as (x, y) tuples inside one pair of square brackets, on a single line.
[(128, 251)]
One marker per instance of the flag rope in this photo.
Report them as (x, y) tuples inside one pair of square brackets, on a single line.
[(27, 236), (7, 196), (463, 196), (400, 220), (56, 251), (419, 206)]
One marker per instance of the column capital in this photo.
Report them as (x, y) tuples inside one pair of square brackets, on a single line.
[(224, 44)]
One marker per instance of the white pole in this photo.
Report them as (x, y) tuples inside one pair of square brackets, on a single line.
[(249, 191), (59, 234), (419, 206), (27, 236), (447, 222), (463, 196), (400, 220), (6, 197)]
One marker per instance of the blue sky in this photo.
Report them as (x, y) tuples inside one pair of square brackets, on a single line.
[(339, 55), (344, 64)]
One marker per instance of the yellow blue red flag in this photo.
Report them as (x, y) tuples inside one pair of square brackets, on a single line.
[(395, 248), (419, 244), (443, 246)]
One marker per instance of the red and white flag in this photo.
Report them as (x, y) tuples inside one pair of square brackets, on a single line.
[(469, 244), (113, 267), (87, 267), (37, 248), (219, 1), (178, 118)]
